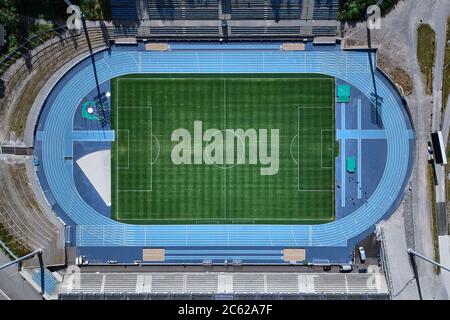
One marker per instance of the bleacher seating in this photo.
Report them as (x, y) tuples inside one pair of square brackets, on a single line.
[(183, 9), (265, 30), (324, 31), (202, 9), (211, 283), (265, 9), (125, 31), (123, 9), (50, 283), (186, 31), (326, 9)]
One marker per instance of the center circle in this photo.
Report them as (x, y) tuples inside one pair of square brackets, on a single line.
[(225, 166)]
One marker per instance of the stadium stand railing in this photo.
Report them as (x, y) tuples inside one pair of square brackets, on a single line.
[(50, 282), (384, 258)]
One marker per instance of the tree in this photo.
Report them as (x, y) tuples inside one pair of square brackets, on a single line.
[(8, 14), (352, 10)]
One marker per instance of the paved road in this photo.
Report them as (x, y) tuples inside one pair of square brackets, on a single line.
[(432, 12), (13, 285), (446, 121), (439, 24)]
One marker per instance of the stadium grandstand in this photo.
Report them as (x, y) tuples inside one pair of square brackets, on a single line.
[(124, 9), (111, 96), (230, 19)]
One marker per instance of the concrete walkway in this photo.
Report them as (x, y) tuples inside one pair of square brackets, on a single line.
[(12, 285)]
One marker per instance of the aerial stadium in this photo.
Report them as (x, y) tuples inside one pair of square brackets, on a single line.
[(152, 143)]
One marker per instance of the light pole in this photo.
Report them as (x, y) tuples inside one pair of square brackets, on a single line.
[(91, 54), (413, 254), (19, 261)]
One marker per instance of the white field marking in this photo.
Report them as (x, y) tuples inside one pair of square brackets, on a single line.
[(128, 149), (134, 108), (333, 155), (298, 147), (151, 154), (224, 219), (321, 149), (151, 149), (241, 159), (196, 79), (158, 148), (359, 147), (225, 128), (243, 78), (117, 158), (298, 134), (314, 107), (117, 161), (333, 127), (290, 148)]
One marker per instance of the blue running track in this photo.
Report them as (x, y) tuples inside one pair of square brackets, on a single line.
[(96, 230)]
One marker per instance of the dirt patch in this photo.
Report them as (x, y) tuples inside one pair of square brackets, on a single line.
[(396, 73)]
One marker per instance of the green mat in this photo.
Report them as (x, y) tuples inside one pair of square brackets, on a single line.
[(343, 93), (351, 164)]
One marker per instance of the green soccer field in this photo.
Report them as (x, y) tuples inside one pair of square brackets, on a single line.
[(197, 149)]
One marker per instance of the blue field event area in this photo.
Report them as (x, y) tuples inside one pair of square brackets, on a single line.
[(374, 128)]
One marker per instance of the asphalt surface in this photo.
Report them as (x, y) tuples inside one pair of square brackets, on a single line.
[(397, 43)]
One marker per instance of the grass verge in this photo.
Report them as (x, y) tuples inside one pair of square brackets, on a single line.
[(397, 74), (16, 246), (434, 221), (446, 76), (426, 52)]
